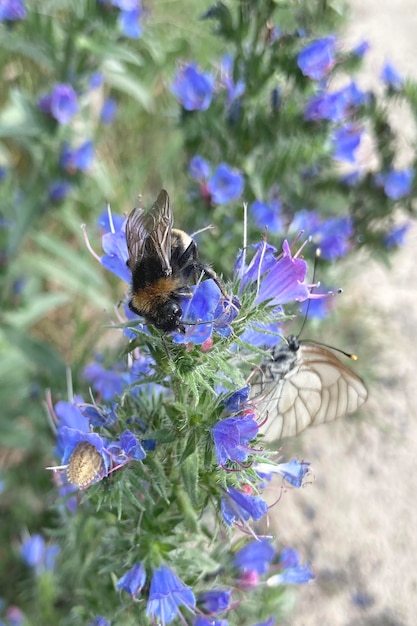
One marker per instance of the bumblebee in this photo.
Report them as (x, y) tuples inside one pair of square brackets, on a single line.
[(164, 263)]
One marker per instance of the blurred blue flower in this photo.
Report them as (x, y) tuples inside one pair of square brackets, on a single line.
[(96, 80), (231, 437), (346, 141), (335, 106), (293, 572), (78, 159), (133, 580), (99, 621), (208, 621), (237, 506), (226, 184), (192, 88), (12, 10), (317, 308), (14, 617), (70, 415), (129, 21), (267, 215), (59, 190), (255, 556), (99, 417), (318, 58), (167, 593), (391, 77), (234, 90), (108, 111), (306, 221), (333, 237), (292, 471), (215, 601), (38, 555), (199, 169), (61, 103), (396, 236), (116, 255), (398, 183), (361, 49), (108, 383)]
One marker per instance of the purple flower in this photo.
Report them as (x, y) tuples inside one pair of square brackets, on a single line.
[(262, 261), (240, 507), (61, 103), (237, 401), (59, 190), (293, 573), (396, 236), (335, 106), (208, 621), (284, 282), (125, 449), (37, 555), (199, 169), (133, 580), (346, 141), (192, 88), (198, 313), (215, 601), (293, 471), (391, 77), (256, 556), (78, 159), (398, 183), (12, 10), (226, 184), (333, 237), (129, 21), (108, 111), (234, 90), (231, 437), (318, 58), (225, 313), (267, 215), (167, 593), (99, 417)]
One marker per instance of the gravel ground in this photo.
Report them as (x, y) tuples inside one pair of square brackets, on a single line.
[(357, 520)]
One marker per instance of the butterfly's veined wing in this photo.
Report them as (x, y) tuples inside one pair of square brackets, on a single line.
[(150, 232), (304, 386)]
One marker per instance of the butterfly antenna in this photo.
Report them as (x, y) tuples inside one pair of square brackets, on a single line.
[(316, 258), (349, 355)]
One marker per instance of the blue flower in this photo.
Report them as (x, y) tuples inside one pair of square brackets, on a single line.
[(361, 49), (231, 437), (215, 601), (38, 555), (116, 254), (125, 449), (99, 621), (391, 77), (59, 190), (69, 416), (199, 169), (226, 184), (306, 221), (198, 313), (346, 141), (284, 282), (335, 106), (192, 88), (293, 573), (396, 236), (107, 383), (256, 556), (225, 313), (99, 417), (12, 10), (262, 261), (208, 621), (234, 90), (167, 593), (78, 159), (398, 183), (267, 215), (108, 111), (293, 471), (109, 222), (61, 103), (333, 237), (237, 401), (237, 506), (129, 21), (133, 580), (96, 80), (318, 58)]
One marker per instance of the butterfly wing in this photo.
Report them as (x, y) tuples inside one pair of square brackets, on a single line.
[(151, 232), (307, 387)]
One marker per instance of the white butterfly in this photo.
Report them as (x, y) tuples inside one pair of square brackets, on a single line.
[(303, 384)]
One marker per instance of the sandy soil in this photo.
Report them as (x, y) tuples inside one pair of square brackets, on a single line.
[(357, 521)]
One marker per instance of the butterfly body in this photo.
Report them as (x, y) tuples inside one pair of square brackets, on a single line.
[(304, 384)]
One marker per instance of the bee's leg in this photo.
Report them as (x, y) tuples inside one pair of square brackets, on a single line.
[(208, 271)]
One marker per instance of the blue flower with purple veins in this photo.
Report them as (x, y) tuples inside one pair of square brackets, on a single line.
[(215, 601), (333, 237), (198, 313), (391, 77), (79, 159), (256, 556), (108, 111), (267, 215), (38, 555), (284, 282), (396, 236), (167, 593), (237, 506), (133, 580), (226, 184), (12, 10), (318, 58), (199, 169), (231, 437), (193, 89), (293, 572), (59, 190), (398, 183), (346, 141)]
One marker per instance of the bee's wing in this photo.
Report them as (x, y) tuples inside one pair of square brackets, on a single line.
[(317, 388), (151, 231)]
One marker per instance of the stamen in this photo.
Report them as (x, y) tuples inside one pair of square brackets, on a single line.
[(87, 243), (110, 218)]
